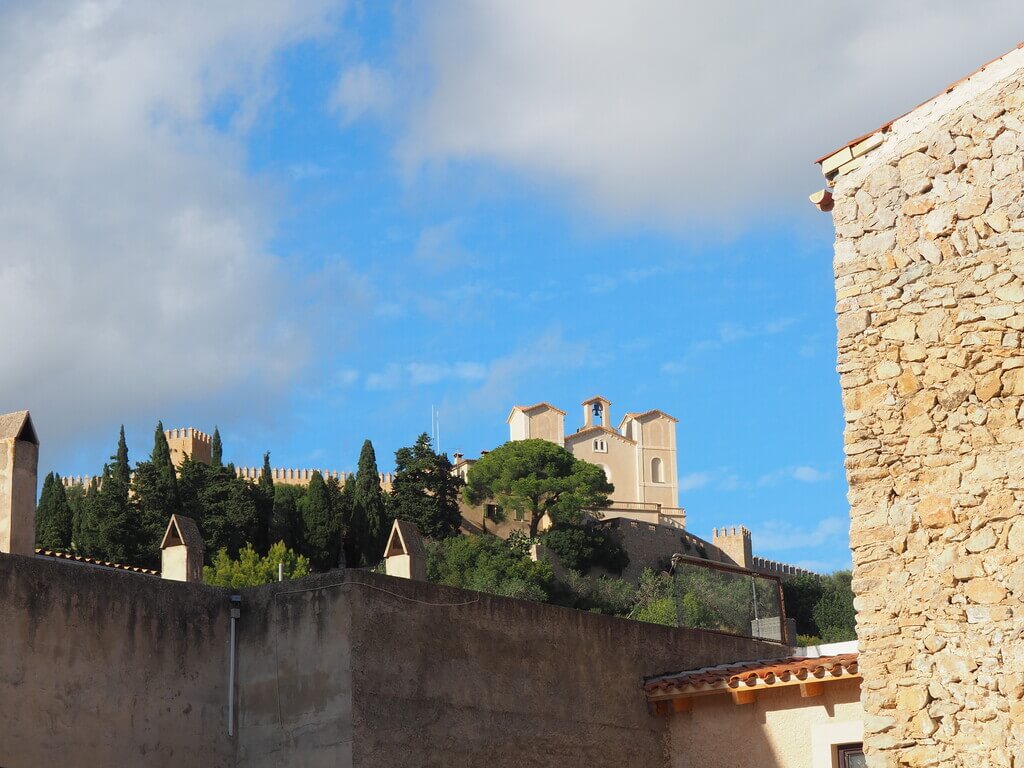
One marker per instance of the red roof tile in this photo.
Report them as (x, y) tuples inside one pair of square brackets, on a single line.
[(94, 561), (748, 674)]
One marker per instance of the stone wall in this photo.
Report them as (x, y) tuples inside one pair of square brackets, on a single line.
[(929, 269)]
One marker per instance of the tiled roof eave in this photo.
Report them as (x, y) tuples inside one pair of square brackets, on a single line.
[(752, 676)]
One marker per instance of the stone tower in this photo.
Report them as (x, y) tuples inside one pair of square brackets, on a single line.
[(735, 544), (929, 270), (188, 441), (19, 461)]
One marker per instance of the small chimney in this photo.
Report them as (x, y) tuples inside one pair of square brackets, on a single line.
[(19, 464), (182, 550)]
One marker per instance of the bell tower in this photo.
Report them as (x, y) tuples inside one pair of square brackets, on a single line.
[(597, 412)]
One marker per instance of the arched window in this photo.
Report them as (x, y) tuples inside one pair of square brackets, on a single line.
[(657, 474), (600, 446)]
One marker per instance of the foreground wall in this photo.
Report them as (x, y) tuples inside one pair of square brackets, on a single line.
[(778, 730), (437, 676), (929, 268), (100, 669)]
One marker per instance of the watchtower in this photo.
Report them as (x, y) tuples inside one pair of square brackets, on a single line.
[(734, 542), (188, 441)]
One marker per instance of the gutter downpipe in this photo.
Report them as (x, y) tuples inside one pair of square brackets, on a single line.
[(236, 612)]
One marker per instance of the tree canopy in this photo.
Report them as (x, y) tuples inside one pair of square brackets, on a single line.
[(537, 478), (425, 491)]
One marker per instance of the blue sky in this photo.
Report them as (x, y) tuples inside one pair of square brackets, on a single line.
[(311, 225)]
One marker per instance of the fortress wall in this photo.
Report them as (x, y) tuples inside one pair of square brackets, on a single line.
[(100, 668), (929, 270)]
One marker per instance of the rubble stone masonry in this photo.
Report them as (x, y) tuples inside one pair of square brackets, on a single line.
[(929, 269)]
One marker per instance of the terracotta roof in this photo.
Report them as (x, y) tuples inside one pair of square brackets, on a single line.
[(595, 398), (95, 562), (183, 530), (746, 675), (598, 428), (17, 425), (884, 128)]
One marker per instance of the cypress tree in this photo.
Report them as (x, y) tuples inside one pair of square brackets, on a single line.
[(216, 449), (285, 523), (265, 506), (321, 534), (369, 509), (156, 499), (62, 521), (86, 529), (425, 491), (45, 536), (122, 540)]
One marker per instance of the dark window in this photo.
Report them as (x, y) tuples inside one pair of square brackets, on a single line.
[(493, 512), (519, 516), (851, 756)]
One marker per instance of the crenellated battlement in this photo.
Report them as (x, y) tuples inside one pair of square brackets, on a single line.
[(75, 481), (289, 476), (181, 433), (731, 531), (772, 568)]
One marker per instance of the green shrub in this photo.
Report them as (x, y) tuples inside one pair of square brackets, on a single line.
[(251, 570), (579, 548), (488, 564)]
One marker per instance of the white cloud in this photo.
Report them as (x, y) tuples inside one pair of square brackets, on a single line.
[(727, 335), (417, 374), (776, 535), (439, 246), (802, 473), (674, 113), (134, 265), (361, 91), (810, 475), (720, 478)]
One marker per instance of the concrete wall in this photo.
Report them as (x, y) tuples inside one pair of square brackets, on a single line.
[(100, 669), (448, 677), (344, 669), (778, 730), (929, 268)]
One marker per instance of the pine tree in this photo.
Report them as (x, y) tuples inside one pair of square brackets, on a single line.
[(320, 525), (216, 449), (369, 510), (425, 491)]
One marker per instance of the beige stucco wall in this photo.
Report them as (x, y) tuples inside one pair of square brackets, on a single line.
[(929, 269), (776, 731), (619, 460)]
